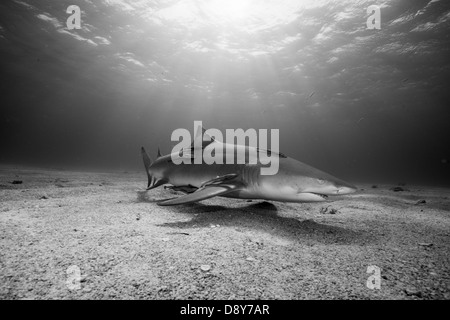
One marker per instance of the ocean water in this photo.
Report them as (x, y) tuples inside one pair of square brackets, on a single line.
[(364, 104)]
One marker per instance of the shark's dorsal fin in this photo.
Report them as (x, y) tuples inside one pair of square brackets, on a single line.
[(199, 138), (207, 135), (159, 153)]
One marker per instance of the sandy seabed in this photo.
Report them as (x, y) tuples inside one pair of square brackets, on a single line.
[(125, 246)]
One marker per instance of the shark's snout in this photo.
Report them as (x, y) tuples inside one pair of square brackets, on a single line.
[(331, 187), (343, 187), (345, 190)]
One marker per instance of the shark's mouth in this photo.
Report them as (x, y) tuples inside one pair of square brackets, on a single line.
[(312, 196)]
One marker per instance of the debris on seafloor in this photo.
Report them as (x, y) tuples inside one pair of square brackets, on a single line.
[(16, 182), (183, 233), (420, 202), (374, 186), (423, 244), (43, 198), (413, 292), (324, 210), (397, 189)]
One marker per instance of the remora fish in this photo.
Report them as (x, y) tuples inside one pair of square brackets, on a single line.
[(294, 182)]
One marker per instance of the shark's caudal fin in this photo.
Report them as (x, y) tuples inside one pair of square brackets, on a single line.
[(153, 182), (147, 164)]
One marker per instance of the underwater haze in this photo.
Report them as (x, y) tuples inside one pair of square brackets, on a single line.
[(364, 104)]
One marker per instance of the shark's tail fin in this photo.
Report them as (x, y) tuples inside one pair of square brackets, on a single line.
[(152, 181), (147, 164)]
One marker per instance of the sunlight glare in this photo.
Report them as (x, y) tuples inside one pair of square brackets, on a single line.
[(228, 9), (245, 14)]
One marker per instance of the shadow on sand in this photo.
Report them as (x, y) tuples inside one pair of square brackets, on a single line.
[(144, 196), (262, 216)]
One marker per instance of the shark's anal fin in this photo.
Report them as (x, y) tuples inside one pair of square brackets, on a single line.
[(208, 190)]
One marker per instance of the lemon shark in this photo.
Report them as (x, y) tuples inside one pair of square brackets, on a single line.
[(294, 182)]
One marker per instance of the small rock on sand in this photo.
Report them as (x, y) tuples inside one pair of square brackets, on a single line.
[(423, 244), (205, 267), (325, 210)]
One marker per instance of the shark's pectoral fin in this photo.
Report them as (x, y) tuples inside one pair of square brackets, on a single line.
[(205, 193), (185, 189), (212, 188), (221, 180)]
